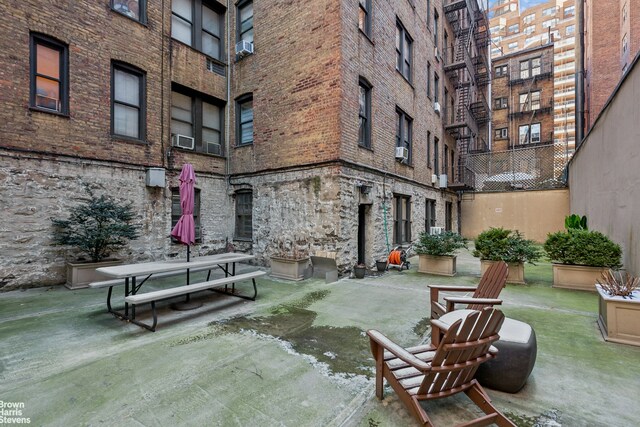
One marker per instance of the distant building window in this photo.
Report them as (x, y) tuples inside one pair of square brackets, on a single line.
[(500, 103), (513, 45), (571, 11), (530, 101), (428, 149), (530, 29), (197, 117), (529, 135), (244, 215), (430, 214), (127, 102), (404, 130), (404, 52), (364, 17), (501, 133), (549, 23), (176, 211), (436, 18), (428, 79), (501, 70), (624, 13), (448, 215), (244, 119), (530, 68), (436, 156), (549, 11), (134, 9), (513, 28), (496, 29), (436, 87), (625, 44), (529, 18), (49, 75), (245, 21), (364, 113), (199, 26), (401, 219)]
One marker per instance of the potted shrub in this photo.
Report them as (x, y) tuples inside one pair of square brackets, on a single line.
[(290, 260), (97, 228), (436, 252), (359, 271), (619, 307), (498, 244), (580, 257)]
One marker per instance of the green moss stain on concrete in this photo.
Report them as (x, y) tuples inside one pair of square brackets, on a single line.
[(421, 328)]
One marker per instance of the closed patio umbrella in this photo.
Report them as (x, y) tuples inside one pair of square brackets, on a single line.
[(185, 230)]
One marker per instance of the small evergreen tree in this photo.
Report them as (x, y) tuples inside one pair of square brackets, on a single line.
[(96, 227)]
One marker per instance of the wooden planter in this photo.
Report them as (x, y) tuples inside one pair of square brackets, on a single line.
[(578, 277), (289, 269), (619, 318), (516, 271), (441, 265), (80, 274)]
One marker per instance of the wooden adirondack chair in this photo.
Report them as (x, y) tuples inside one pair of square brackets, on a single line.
[(486, 293), (433, 372)]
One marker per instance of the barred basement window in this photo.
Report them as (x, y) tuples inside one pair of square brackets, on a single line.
[(49, 72), (401, 219), (244, 215)]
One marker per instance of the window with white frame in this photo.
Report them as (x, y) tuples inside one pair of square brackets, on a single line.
[(501, 133), (501, 70), (513, 28), (530, 101), (529, 30), (529, 18), (530, 68), (549, 11), (529, 134), (571, 29), (570, 11), (512, 45), (500, 103)]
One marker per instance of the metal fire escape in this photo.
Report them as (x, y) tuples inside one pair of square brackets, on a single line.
[(468, 72)]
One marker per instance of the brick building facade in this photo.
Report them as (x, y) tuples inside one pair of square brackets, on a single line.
[(293, 134)]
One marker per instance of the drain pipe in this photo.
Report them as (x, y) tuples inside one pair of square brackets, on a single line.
[(580, 125), (227, 142)]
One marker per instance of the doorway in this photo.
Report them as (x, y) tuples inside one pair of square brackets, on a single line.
[(361, 233)]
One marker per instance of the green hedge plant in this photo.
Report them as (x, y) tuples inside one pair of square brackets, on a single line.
[(583, 247), (443, 244), (499, 244)]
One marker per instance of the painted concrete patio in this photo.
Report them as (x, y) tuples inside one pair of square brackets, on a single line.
[(298, 356)]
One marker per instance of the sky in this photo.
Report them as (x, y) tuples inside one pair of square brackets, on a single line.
[(524, 3)]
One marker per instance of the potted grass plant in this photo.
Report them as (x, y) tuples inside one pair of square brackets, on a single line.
[(580, 257), (437, 252), (499, 244), (619, 307), (97, 228)]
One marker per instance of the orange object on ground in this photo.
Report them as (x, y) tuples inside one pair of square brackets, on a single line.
[(395, 257)]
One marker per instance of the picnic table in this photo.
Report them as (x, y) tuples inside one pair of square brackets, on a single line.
[(133, 276)]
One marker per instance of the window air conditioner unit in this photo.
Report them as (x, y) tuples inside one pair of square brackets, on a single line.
[(437, 54), (443, 181), (244, 48), (402, 153), (435, 230), (436, 107), (434, 178), (213, 148), (183, 141)]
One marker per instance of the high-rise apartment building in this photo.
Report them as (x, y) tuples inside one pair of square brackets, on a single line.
[(611, 42), (337, 126), (514, 29)]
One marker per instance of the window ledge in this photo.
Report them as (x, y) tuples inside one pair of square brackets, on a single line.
[(364, 147), (52, 112), (200, 153), (366, 36), (122, 138), (243, 239), (243, 145)]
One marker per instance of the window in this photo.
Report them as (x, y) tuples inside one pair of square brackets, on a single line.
[(501, 70), (500, 103), (445, 166), (364, 17), (529, 18), (244, 215), (530, 29), (428, 149), (501, 133), (530, 101), (364, 113), (428, 79), (549, 23), (448, 213), (436, 156), (430, 214), (435, 27), (511, 29), (401, 219), (245, 21), (244, 119), (436, 87), (530, 68), (176, 211), (404, 125), (49, 87), (571, 11), (428, 12), (512, 45), (199, 26), (403, 51), (529, 136), (624, 12), (571, 29), (445, 106), (134, 9), (625, 44), (127, 102), (549, 11), (199, 118)]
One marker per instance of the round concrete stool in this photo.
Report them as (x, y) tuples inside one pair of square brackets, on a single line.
[(517, 350)]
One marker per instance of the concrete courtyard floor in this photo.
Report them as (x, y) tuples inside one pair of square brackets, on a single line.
[(298, 356)]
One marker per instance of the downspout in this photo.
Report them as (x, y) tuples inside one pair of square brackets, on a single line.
[(580, 125), (227, 142)]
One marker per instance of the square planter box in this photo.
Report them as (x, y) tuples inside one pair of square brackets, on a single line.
[(441, 265), (516, 271), (619, 318), (290, 269), (80, 274), (578, 277)]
